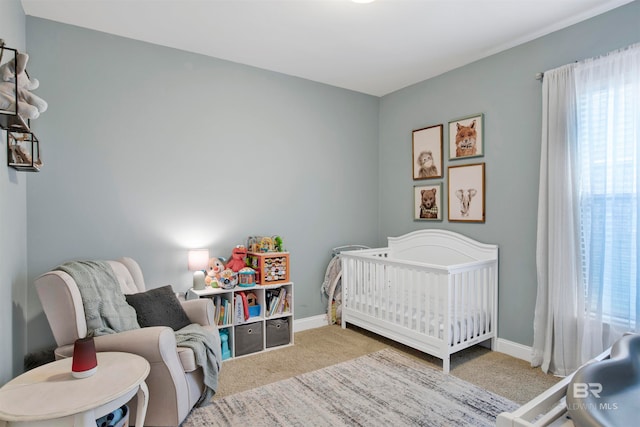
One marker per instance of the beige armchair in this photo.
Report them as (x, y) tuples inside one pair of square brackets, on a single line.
[(175, 381)]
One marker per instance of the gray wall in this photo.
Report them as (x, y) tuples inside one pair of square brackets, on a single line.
[(502, 87), (13, 222), (149, 151)]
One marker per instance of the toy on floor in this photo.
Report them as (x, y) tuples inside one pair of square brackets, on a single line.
[(238, 256), (224, 339)]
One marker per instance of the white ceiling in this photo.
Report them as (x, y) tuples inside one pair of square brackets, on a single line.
[(374, 48)]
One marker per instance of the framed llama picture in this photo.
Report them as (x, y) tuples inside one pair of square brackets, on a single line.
[(466, 137), (427, 152), (427, 202), (466, 193)]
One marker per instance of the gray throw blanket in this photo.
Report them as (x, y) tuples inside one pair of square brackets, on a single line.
[(105, 307), (205, 344)]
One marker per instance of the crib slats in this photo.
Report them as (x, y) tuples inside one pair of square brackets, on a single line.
[(449, 307)]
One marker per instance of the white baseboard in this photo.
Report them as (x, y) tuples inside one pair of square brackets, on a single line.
[(310, 323), (514, 349)]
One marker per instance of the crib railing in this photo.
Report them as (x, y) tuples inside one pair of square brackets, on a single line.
[(451, 304)]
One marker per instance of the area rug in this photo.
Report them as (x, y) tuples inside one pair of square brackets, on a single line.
[(380, 389)]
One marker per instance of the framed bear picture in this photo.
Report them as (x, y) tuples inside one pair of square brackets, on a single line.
[(427, 152), (466, 137), (427, 202)]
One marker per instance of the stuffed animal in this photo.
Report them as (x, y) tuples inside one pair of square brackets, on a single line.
[(214, 270), (29, 105), (237, 260)]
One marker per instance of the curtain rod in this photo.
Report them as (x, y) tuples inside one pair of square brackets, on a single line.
[(539, 76)]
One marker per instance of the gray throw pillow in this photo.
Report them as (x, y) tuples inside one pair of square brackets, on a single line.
[(159, 307)]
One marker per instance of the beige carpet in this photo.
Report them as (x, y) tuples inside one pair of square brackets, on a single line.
[(318, 348)]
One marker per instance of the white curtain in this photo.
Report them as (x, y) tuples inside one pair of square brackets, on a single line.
[(588, 210), (557, 253)]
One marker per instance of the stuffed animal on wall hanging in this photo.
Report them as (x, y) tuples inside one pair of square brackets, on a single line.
[(29, 105)]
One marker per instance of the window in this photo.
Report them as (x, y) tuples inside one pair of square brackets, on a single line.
[(608, 158)]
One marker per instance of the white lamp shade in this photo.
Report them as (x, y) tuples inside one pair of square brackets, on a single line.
[(198, 259)]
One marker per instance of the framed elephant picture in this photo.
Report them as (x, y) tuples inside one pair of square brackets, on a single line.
[(466, 193)]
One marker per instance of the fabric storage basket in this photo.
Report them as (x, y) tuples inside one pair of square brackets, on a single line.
[(278, 332), (248, 338)]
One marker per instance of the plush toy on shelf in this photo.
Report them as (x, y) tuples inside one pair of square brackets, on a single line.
[(238, 256), (214, 270), (29, 105)]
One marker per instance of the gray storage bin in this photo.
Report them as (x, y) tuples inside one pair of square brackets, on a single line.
[(278, 332), (248, 338)]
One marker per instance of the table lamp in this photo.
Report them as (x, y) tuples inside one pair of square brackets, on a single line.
[(198, 261)]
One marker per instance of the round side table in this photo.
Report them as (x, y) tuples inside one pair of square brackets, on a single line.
[(49, 396)]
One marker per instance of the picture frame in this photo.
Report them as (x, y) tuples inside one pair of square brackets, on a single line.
[(466, 193), (427, 144), (427, 202), (466, 137)]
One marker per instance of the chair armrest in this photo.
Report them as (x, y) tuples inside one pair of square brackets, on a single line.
[(167, 380), (156, 344), (200, 311)]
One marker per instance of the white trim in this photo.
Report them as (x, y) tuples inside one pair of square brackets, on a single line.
[(514, 349), (309, 323)]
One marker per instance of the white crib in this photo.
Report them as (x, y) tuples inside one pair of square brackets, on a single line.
[(433, 290)]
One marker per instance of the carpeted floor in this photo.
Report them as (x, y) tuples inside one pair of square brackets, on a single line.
[(318, 348), (385, 388)]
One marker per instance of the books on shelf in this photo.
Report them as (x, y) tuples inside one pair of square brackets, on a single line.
[(222, 312), (235, 309), (278, 301)]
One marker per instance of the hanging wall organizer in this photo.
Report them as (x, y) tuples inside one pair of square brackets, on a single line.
[(23, 147)]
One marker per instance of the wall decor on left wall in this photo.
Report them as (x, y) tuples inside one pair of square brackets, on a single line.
[(17, 103)]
